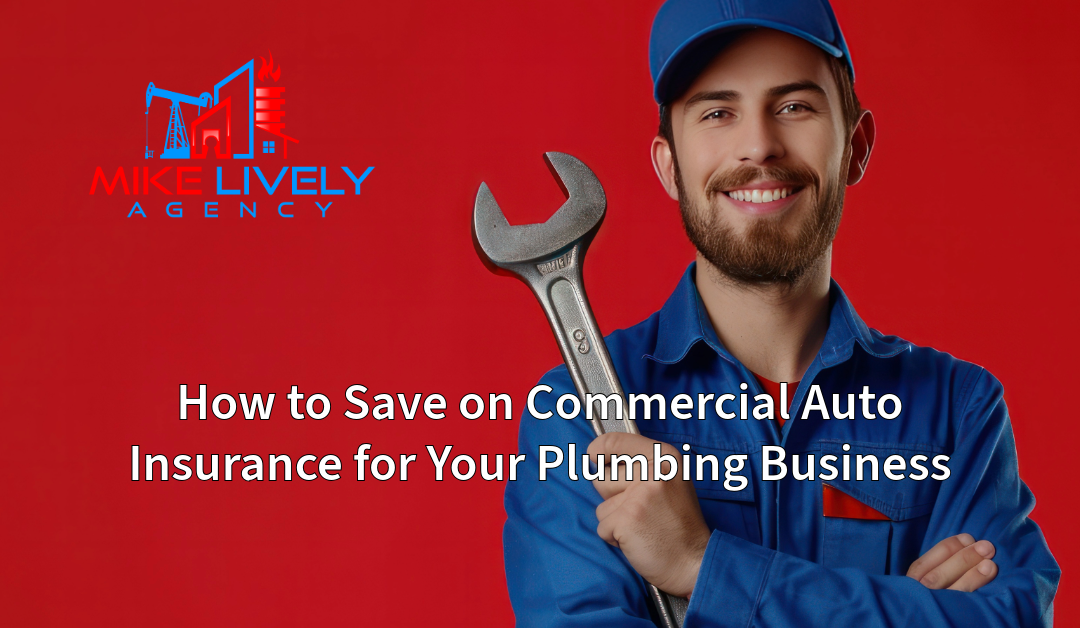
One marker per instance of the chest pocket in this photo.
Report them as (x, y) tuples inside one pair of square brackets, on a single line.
[(879, 547), (733, 512)]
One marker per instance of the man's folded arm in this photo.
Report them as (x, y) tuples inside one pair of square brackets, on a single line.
[(741, 584)]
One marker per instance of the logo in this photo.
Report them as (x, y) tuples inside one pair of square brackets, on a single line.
[(243, 116), (264, 111)]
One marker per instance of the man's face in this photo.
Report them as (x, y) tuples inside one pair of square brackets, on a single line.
[(761, 158)]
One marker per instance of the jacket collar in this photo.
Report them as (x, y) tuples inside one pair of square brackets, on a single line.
[(684, 322)]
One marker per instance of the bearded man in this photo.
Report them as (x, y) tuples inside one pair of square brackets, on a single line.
[(760, 133)]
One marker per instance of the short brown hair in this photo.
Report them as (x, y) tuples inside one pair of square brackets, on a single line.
[(849, 101)]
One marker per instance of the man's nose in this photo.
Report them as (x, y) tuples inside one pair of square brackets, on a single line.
[(758, 140)]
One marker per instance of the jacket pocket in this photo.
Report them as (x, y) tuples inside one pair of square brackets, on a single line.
[(859, 543), (878, 546), (733, 512)]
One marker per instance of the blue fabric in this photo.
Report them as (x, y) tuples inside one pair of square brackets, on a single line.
[(686, 34), (773, 559)]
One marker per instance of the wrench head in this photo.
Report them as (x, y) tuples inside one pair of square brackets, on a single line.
[(501, 245)]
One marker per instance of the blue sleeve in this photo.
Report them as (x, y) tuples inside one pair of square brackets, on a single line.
[(558, 571), (741, 584)]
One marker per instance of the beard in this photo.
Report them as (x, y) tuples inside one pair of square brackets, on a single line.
[(768, 252)]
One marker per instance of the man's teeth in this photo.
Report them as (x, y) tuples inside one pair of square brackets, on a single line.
[(760, 196)]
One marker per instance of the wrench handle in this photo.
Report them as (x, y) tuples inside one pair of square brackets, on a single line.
[(560, 289)]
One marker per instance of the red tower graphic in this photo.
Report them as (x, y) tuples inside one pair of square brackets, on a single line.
[(269, 104)]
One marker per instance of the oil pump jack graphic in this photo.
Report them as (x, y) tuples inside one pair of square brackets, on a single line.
[(264, 111), (176, 141)]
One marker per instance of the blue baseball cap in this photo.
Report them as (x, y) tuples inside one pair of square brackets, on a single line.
[(687, 34)]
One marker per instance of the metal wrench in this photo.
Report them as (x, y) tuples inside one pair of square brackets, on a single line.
[(548, 257)]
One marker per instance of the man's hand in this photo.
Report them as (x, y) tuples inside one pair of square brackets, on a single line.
[(659, 527), (959, 563), (657, 524)]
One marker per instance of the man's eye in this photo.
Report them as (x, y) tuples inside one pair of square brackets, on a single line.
[(794, 108), (716, 115)]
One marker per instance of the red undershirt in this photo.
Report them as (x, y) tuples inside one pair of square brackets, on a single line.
[(772, 389), (835, 503)]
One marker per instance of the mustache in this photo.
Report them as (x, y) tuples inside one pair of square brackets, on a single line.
[(738, 177)]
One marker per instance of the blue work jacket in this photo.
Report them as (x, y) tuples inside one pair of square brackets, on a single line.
[(773, 558)]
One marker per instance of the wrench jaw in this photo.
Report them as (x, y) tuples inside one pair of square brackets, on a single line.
[(548, 257), (582, 189), (578, 218), (538, 254), (487, 212)]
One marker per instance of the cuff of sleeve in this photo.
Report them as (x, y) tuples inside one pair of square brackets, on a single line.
[(729, 583)]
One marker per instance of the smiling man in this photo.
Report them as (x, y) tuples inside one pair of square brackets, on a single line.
[(760, 133)]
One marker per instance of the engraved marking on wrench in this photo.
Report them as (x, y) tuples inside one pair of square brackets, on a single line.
[(583, 342), (555, 264)]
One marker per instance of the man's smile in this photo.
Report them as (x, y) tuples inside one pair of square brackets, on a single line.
[(764, 198)]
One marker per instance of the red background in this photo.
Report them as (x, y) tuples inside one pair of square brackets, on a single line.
[(960, 237)]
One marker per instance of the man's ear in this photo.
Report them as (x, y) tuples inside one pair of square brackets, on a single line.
[(664, 164), (862, 143)]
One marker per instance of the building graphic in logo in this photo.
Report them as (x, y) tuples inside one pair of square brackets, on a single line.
[(211, 133)]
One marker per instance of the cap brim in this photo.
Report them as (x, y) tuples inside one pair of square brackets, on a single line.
[(673, 76)]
